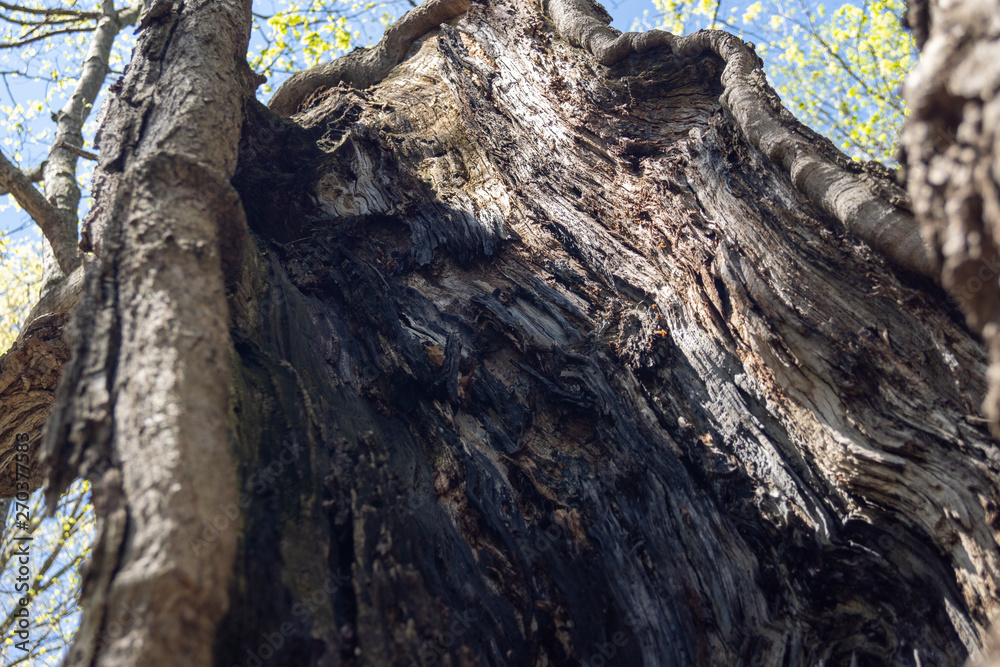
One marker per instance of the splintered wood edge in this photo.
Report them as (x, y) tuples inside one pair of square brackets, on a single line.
[(765, 123), (29, 373), (366, 67)]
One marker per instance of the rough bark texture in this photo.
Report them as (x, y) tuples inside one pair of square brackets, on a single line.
[(561, 363), (532, 360), (142, 406), (952, 143), (29, 372)]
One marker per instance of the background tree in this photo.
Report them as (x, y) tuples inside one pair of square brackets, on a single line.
[(60, 543), (543, 345)]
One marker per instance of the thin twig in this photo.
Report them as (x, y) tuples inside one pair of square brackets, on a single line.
[(76, 150), (42, 22), (51, 12), (64, 31), (715, 14)]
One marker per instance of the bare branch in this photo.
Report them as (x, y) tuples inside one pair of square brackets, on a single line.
[(59, 170), (129, 15), (50, 12), (42, 22), (34, 175), (366, 67), (57, 226), (76, 150), (55, 211), (36, 38)]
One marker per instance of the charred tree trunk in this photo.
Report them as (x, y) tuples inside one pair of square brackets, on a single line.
[(546, 347)]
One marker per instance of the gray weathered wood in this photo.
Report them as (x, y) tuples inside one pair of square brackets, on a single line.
[(534, 357)]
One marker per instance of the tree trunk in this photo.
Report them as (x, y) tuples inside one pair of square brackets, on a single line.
[(531, 360)]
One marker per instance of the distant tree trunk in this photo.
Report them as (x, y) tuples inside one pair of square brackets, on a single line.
[(951, 145), (551, 347)]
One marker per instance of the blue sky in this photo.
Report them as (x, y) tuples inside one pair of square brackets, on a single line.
[(624, 12)]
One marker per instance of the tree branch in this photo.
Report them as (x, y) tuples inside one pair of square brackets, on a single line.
[(816, 172), (50, 12), (167, 210), (59, 169), (36, 38), (37, 23), (79, 152), (34, 175), (54, 223), (366, 67)]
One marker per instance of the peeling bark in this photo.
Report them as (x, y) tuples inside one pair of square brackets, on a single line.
[(141, 408), (575, 356), (535, 356)]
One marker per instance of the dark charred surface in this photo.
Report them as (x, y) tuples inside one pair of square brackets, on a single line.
[(568, 365)]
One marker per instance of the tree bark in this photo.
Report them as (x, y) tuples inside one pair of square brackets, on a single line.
[(952, 146), (142, 406), (534, 356)]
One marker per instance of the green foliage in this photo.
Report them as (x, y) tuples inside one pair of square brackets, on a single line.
[(58, 547), (39, 64), (20, 281), (291, 36), (294, 40), (839, 72)]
